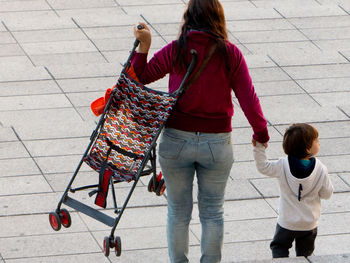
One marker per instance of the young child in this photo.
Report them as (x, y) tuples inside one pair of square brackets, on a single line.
[(303, 182)]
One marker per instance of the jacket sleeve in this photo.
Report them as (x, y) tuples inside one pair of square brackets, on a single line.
[(243, 88), (158, 66), (269, 168), (327, 189)]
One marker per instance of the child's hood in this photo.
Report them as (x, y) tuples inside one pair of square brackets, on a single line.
[(303, 186)]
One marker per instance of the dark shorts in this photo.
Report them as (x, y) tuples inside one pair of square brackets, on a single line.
[(283, 240)]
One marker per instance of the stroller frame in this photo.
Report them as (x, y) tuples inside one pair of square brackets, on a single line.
[(62, 217)]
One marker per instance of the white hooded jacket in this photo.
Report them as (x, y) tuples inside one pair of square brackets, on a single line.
[(295, 214)]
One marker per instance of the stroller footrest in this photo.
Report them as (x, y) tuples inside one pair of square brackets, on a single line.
[(89, 211)]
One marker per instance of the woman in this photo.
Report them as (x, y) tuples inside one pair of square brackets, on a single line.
[(197, 136)]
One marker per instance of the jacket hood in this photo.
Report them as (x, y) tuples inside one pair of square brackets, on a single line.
[(302, 186)]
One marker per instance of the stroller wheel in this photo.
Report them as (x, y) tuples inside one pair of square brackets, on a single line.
[(161, 187), (65, 218), (118, 246), (150, 185), (55, 221), (106, 246)]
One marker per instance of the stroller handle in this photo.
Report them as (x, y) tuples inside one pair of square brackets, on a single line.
[(189, 70)]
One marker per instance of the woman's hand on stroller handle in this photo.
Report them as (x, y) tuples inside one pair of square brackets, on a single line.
[(142, 33)]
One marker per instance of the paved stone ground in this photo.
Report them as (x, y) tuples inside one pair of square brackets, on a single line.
[(57, 56)]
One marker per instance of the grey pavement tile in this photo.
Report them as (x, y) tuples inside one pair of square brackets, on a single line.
[(268, 187), (269, 36), (345, 177), (28, 204), (327, 33), (334, 44), (246, 11), (12, 150), (84, 99), (48, 245), (337, 203), (346, 110), (125, 44), (40, 148), (34, 102), (36, 225), (100, 17), (258, 25), (153, 255), (268, 74), (87, 84), (336, 164), (319, 71), (242, 251), (12, 49), (325, 85), (298, 106), (256, 61), (337, 146), (304, 57), (36, 20), (78, 258), (109, 32), (6, 38), (238, 189), (330, 258), (15, 61), (247, 210), (20, 72), (333, 224), (51, 35), (59, 181), (244, 170), (61, 164), (245, 230), (33, 87), (124, 3), (167, 29), (320, 21), (268, 88), (47, 123), (279, 48), (332, 245), (85, 70), (309, 11), (23, 185), (68, 58), (14, 167), (66, 4), (171, 13), (7, 135), (29, 5), (60, 47)]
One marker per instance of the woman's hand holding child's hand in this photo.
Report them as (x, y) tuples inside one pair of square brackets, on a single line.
[(254, 143)]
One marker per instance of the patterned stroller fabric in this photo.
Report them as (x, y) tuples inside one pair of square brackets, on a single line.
[(134, 118)]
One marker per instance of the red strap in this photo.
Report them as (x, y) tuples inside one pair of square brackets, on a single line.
[(101, 197)]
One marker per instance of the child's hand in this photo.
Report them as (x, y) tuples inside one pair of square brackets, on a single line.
[(143, 34), (254, 142)]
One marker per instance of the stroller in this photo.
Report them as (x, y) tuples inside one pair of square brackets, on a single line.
[(122, 148)]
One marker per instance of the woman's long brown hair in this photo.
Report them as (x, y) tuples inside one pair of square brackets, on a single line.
[(202, 15)]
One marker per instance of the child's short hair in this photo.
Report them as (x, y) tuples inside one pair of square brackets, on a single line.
[(298, 139)]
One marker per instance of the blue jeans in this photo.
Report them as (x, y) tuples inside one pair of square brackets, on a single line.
[(209, 156)]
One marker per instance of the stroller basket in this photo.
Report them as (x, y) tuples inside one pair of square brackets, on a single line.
[(134, 117)]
